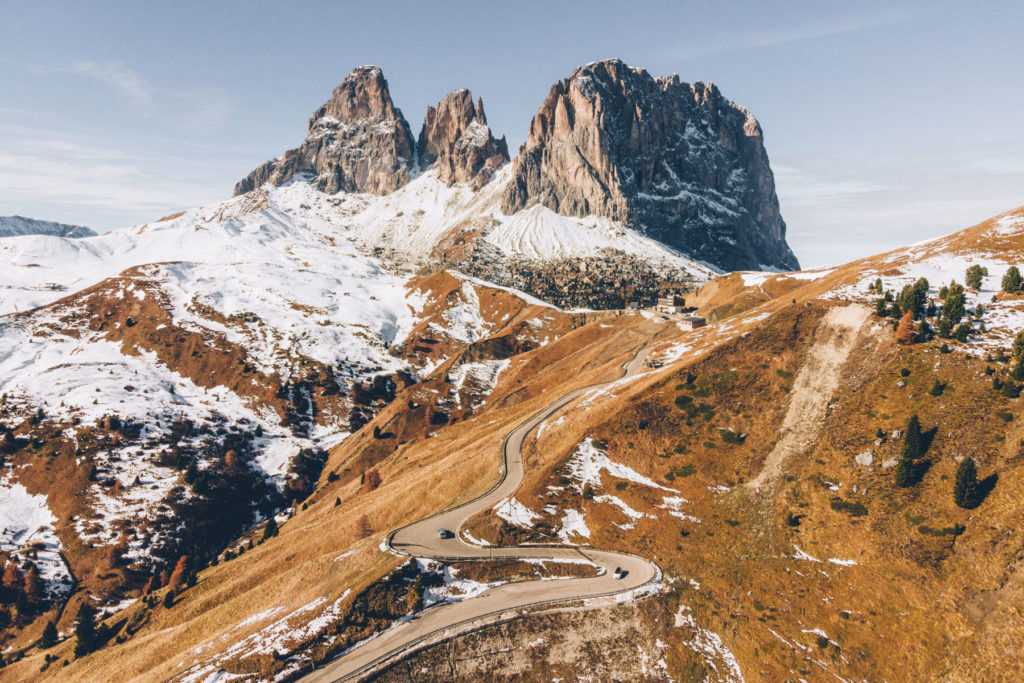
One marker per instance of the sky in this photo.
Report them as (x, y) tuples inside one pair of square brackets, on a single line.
[(886, 123)]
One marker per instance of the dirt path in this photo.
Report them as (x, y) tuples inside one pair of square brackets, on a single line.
[(815, 385)]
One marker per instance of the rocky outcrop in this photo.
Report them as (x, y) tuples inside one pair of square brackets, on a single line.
[(456, 140), (358, 141), (677, 161)]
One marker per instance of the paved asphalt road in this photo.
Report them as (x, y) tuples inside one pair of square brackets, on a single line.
[(420, 539)]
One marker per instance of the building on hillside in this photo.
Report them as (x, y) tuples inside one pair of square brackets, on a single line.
[(673, 303), (692, 322)]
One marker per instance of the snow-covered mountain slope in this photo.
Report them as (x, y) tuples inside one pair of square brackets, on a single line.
[(427, 217), (11, 226), (165, 386)]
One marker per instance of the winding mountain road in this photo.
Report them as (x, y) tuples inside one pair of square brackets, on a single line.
[(420, 539)]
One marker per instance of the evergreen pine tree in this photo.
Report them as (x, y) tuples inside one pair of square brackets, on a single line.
[(903, 474), (1017, 372), (49, 638), (337, 501), (21, 604), (9, 444), (954, 308), (974, 275), (906, 469), (168, 599), (912, 439), (85, 629), (1018, 345), (1010, 389), (1012, 281), (270, 530), (936, 389), (965, 487)]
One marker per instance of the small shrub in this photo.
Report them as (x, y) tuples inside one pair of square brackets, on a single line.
[(954, 530), (852, 509), (734, 438)]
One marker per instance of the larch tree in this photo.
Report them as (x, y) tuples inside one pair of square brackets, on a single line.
[(372, 480), (34, 585), (906, 331), (363, 528), (180, 574)]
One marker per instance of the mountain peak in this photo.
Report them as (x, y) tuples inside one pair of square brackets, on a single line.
[(364, 94), (456, 140), (679, 162), (357, 141)]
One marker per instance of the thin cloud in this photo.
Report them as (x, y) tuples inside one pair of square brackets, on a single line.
[(121, 79), (803, 187), (738, 40)]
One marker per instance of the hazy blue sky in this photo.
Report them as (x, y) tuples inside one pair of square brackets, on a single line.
[(886, 122)]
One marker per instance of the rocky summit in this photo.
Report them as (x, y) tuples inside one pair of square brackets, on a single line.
[(612, 150), (358, 141), (455, 139), (678, 161)]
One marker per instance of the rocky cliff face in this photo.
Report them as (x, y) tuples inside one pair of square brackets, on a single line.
[(677, 161), (455, 139), (358, 141)]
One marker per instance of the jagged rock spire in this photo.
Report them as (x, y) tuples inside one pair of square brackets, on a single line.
[(456, 140), (358, 141)]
